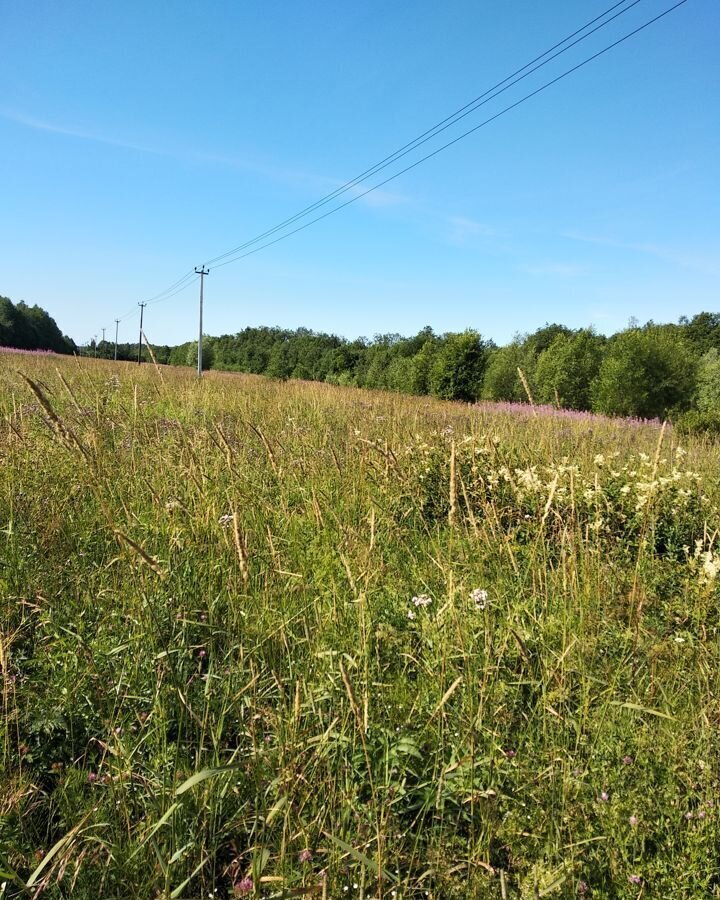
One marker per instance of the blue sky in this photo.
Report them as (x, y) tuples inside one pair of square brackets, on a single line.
[(139, 140)]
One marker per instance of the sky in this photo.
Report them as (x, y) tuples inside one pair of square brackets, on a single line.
[(139, 140)]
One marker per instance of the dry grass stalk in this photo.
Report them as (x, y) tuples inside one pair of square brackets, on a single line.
[(526, 385), (453, 488), (241, 548), (152, 357), (149, 561)]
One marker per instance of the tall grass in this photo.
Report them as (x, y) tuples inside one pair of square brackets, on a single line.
[(286, 640)]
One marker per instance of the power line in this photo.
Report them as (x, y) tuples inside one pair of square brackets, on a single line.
[(161, 299), (505, 84), (490, 94), (187, 277), (427, 135), (460, 137)]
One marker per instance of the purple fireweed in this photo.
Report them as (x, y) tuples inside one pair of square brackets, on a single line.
[(547, 411), (30, 352)]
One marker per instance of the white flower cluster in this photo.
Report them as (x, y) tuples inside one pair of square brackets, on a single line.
[(480, 598), (709, 563), (419, 602)]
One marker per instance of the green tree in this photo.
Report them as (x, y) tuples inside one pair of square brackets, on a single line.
[(458, 367), (647, 372), (708, 390), (702, 331), (501, 381), (566, 370)]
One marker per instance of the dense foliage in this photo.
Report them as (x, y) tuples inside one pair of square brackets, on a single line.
[(272, 639), (30, 328), (653, 371), (650, 371)]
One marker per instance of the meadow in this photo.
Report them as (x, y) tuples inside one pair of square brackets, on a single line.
[(283, 639)]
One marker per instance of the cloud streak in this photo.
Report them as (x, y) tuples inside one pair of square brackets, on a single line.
[(80, 133), (694, 262), (564, 270), (375, 199)]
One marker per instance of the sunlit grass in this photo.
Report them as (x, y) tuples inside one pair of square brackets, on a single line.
[(215, 678)]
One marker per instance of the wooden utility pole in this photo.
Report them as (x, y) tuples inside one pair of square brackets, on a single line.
[(202, 272), (142, 308), (117, 325)]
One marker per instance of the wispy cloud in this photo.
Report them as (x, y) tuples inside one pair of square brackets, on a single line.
[(324, 184), (564, 270), (463, 230), (676, 256), (70, 131)]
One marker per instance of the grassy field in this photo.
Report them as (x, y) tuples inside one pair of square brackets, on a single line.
[(289, 640)]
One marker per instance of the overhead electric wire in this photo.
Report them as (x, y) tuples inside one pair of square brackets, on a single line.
[(481, 100), (180, 285), (460, 137), (427, 135), (500, 87), (161, 295), (161, 298)]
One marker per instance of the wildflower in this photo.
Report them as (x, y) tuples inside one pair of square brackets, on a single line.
[(422, 600), (202, 654), (582, 887), (634, 879), (412, 614), (510, 754), (244, 886), (225, 520), (633, 820), (305, 855), (92, 777), (479, 597), (688, 815), (604, 796), (628, 760), (701, 814)]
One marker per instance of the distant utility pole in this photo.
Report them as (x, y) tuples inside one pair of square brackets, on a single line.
[(142, 308), (202, 272), (95, 346), (103, 331), (117, 325)]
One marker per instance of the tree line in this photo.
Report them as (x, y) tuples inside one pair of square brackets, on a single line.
[(30, 328), (647, 371)]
